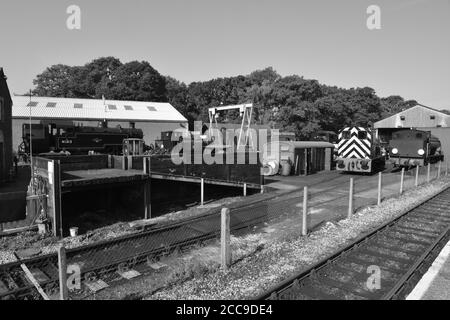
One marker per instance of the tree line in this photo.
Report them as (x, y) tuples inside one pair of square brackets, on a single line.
[(291, 103)]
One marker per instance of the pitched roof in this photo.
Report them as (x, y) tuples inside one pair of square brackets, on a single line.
[(94, 109), (417, 116)]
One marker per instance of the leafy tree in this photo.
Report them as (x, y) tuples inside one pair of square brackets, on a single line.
[(104, 76), (57, 81), (394, 104), (134, 81)]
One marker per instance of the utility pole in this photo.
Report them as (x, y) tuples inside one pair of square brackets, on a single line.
[(31, 151)]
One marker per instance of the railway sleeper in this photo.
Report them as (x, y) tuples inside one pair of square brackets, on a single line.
[(429, 223), (378, 255), (418, 237), (389, 246), (433, 213), (406, 230), (430, 231), (356, 285), (422, 219), (344, 288), (430, 216), (327, 290), (311, 289), (406, 239), (395, 270)]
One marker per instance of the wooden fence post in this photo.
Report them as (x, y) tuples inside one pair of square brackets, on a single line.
[(305, 212), (62, 266), (225, 251), (202, 191), (416, 183), (379, 188), (350, 199), (402, 177), (428, 172)]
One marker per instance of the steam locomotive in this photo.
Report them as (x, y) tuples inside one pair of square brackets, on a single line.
[(359, 151), (414, 148), (74, 139)]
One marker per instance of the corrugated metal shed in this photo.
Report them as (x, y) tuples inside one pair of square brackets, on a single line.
[(418, 116), (94, 109)]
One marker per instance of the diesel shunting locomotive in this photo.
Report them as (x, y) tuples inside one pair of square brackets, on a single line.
[(414, 148), (75, 139), (359, 151)]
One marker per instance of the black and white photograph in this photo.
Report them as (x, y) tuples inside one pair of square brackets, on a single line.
[(214, 157)]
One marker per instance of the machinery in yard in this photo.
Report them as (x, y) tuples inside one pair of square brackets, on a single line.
[(411, 147), (74, 139)]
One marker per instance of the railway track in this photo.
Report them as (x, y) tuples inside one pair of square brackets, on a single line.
[(385, 264), (139, 251)]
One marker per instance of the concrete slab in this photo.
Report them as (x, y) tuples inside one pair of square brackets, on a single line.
[(435, 284), (97, 285), (129, 274)]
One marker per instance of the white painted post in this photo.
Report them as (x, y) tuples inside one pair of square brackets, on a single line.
[(62, 266), (245, 189), (439, 170), (305, 212), (416, 183), (402, 177), (202, 191), (379, 189), (428, 172), (350, 199), (225, 251), (262, 188)]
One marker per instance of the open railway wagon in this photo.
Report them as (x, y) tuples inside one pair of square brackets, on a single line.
[(359, 151), (414, 148)]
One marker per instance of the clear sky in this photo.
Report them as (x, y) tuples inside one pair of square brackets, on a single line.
[(195, 40)]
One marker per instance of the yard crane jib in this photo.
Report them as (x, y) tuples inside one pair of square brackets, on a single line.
[(245, 111)]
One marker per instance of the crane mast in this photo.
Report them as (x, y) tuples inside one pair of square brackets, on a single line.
[(245, 111)]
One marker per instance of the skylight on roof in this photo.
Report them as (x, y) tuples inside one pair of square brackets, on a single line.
[(51, 105), (128, 107), (77, 105), (151, 108), (32, 104), (112, 107)]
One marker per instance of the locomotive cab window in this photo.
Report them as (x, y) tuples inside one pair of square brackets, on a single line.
[(362, 135), (346, 135)]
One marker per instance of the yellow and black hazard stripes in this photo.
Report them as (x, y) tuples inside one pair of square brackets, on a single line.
[(355, 142)]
